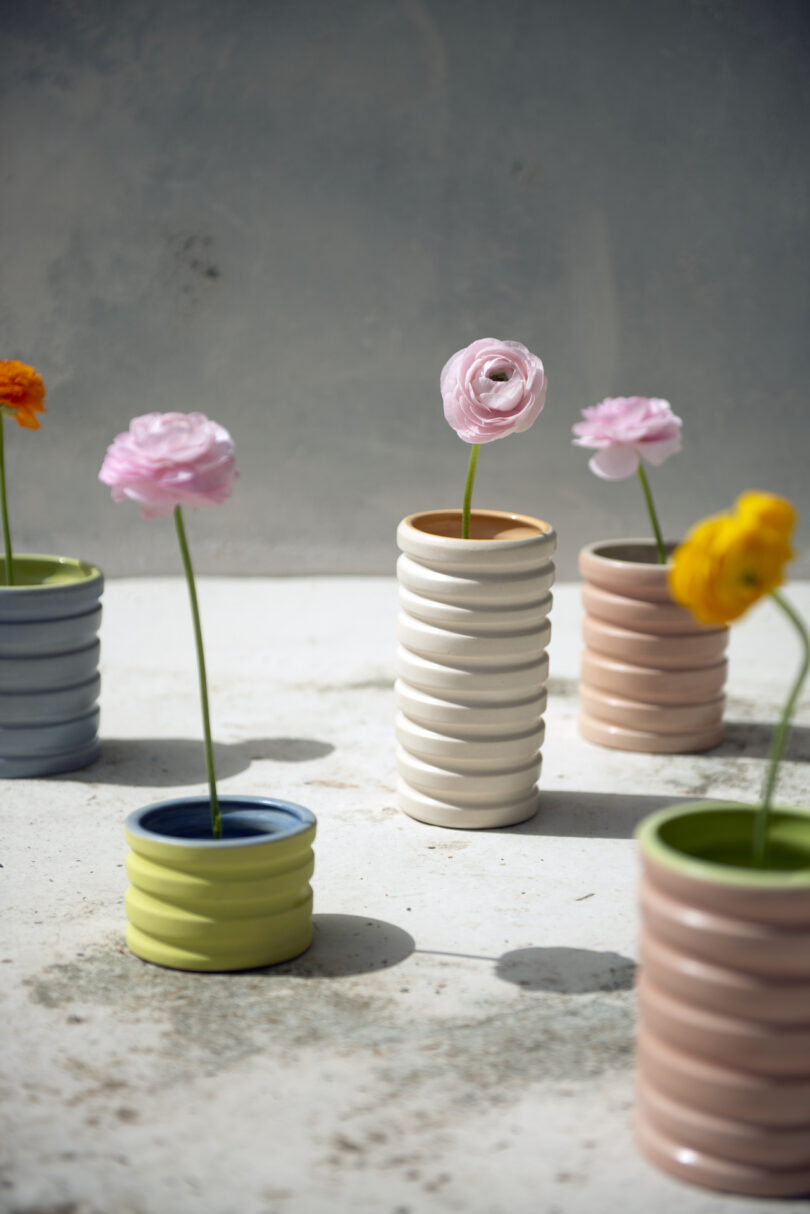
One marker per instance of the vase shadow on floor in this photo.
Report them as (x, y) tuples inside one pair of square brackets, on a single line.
[(592, 815), (566, 971), (343, 945), (752, 739), (176, 762)]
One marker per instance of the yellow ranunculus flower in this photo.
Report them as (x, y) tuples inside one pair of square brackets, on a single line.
[(728, 562)]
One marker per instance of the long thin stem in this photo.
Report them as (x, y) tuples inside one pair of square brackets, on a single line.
[(4, 510), (781, 731), (216, 817), (659, 539), (468, 488)]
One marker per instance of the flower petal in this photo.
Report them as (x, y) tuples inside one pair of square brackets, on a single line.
[(170, 459), (492, 388), (614, 463), (656, 452)]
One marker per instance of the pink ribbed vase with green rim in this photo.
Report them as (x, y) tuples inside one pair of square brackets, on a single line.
[(723, 1045)]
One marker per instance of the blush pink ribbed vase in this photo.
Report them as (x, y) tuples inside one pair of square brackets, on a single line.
[(652, 678), (724, 996), (472, 666)]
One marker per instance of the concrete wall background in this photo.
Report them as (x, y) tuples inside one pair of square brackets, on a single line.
[(289, 213)]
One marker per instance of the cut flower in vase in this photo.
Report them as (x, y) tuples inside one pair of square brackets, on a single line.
[(624, 431), (165, 461), (490, 389), (22, 392), (724, 566)]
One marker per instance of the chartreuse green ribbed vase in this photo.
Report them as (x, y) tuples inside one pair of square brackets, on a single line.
[(199, 903)]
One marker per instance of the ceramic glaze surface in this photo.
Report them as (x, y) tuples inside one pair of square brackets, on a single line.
[(724, 1033), (196, 903), (472, 666), (652, 677), (49, 652)]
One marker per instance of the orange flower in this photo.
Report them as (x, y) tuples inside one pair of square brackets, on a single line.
[(21, 393)]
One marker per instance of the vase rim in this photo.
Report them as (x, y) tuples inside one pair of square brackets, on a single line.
[(75, 571), (609, 551), (534, 529), (655, 847), (291, 819)]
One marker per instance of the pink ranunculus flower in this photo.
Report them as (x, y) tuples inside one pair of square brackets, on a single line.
[(170, 459), (626, 429), (492, 388)]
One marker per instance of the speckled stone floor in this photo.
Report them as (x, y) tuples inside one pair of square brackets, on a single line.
[(459, 1036)]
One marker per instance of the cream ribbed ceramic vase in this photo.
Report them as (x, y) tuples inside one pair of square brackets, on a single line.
[(653, 678), (472, 666)]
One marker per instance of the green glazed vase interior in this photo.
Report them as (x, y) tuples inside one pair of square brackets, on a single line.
[(32, 570), (711, 838)]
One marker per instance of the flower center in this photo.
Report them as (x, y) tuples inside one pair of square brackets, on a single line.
[(498, 377)]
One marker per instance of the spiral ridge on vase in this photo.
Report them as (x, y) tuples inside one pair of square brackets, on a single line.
[(723, 1045), (242, 901), (652, 678), (472, 666), (49, 655)]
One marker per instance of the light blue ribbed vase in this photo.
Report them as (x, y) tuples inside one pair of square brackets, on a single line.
[(49, 650)]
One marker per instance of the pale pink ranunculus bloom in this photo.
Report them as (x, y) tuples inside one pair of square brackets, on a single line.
[(492, 388), (626, 429), (170, 459)]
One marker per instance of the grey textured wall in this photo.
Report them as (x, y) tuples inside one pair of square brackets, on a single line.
[(289, 213)]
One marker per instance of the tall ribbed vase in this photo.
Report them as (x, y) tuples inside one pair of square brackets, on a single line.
[(472, 666), (653, 678), (724, 996), (49, 653)]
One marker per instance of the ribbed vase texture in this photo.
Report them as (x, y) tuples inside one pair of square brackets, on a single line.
[(49, 653), (472, 666), (196, 904), (652, 677), (723, 1093)]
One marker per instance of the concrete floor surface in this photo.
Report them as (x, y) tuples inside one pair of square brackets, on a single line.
[(459, 1036)]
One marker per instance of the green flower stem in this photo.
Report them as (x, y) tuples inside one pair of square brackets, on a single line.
[(216, 817), (4, 510), (659, 539), (468, 488), (780, 733)]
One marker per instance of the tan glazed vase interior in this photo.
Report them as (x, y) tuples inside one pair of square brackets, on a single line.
[(652, 677), (472, 666), (723, 1093)]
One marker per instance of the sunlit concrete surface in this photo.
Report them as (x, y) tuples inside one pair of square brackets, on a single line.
[(459, 1036)]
